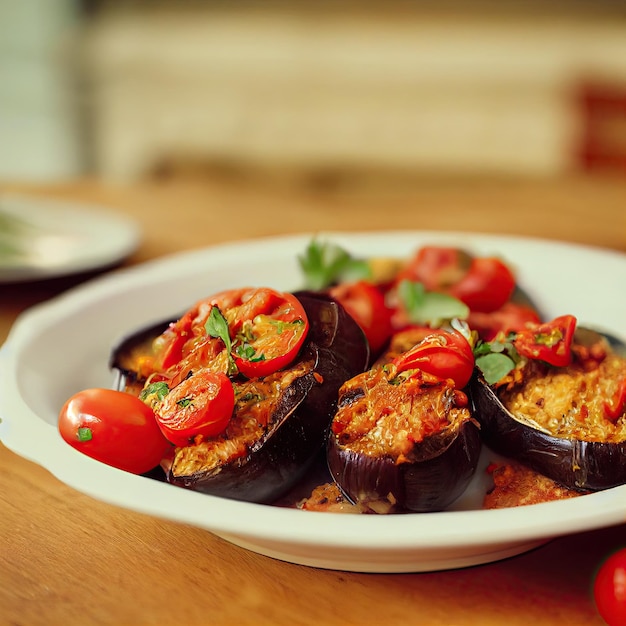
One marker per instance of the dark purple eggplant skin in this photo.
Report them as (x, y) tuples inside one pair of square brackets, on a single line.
[(439, 473), (576, 464), (280, 459)]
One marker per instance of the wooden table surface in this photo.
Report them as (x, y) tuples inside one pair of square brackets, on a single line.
[(68, 559)]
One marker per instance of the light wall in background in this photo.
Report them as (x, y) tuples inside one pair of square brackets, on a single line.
[(40, 124), (408, 90)]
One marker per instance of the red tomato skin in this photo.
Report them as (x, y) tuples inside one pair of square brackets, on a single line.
[(443, 354), (511, 317), (280, 307), (211, 400), (609, 589), (124, 432), (486, 286), (366, 304), (436, 267)]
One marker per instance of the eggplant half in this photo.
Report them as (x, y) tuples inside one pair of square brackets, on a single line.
[(409, 441), (581, 449), (280, 422)]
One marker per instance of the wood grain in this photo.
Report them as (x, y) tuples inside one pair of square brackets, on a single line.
[(68, 559)]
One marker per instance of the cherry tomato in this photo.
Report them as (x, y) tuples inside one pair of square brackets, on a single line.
[(486, 286), (113, 427), (268, 329), (443, 354), (200, 405), (436, 267), (483, 283), (609, 589), (510, 317), (550, 342), (366, 304)]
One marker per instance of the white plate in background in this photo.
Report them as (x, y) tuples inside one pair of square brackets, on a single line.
[(42, 238), (62, 346)]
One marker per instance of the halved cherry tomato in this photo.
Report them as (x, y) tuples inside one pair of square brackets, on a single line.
[(609, 589), (445, 354), (550, 342), (268, 329), (510, 317), (113, 427), (366, 304), (200, 405), (483, 283)]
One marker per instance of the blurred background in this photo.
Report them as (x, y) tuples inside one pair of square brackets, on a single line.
[(314, 91)]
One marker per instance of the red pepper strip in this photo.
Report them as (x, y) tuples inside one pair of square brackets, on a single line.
[(550, 342), (614, 409)]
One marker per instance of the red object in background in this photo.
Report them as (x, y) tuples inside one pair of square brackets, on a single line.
[(603, 140), (609, 589)]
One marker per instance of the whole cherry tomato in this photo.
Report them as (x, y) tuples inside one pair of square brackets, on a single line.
[(366, 304), (486, 286), (609, 589), (550, 342), (202, 404), (113, 427), (445, 354)]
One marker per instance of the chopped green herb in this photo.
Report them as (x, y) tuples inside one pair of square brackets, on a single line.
[(84, 434), (325, 264), (183, 402), (429, 307), (280, 325), (247, 352), (154, 391)]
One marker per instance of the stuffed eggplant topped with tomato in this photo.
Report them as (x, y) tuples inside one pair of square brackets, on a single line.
[(403, 431), (553, 397), (244, 386)]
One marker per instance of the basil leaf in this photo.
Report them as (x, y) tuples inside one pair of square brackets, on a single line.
[(494, 366), (429, 307)]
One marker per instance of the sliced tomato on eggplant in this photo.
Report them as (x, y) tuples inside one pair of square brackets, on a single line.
[(578, 461), (280, 420), (403, 437)]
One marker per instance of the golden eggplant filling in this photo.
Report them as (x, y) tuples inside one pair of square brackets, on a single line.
[(573, 402), (383, 415), (257, 401)]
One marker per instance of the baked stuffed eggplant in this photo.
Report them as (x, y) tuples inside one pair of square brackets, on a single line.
[(403, 431), (279, 418), (561, 410)]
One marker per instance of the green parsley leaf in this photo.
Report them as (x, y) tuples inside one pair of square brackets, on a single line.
[(494, 366), (325, 264), (84, 434), (183, 402), (429, 307), (217, 326)]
